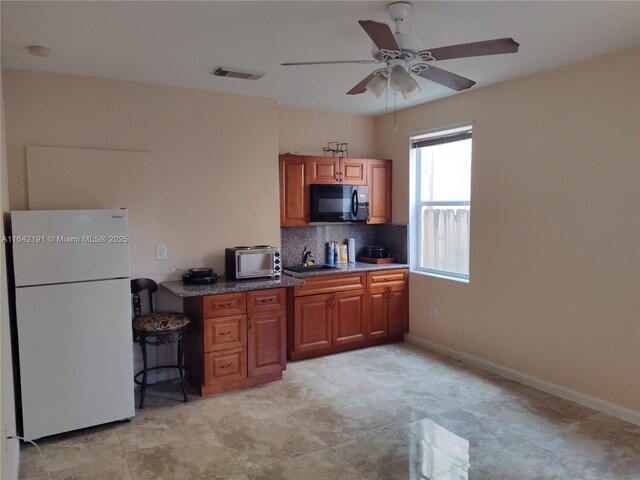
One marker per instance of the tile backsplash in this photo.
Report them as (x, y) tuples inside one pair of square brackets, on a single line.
[(294, 239)]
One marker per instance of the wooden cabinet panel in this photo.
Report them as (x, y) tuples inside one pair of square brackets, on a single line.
[(323, 170), (379, 181), (331, 284), (266, 300), (224, 333), (353, 171), (313, 327), (349, 321), (294, 191), (387, 277), (224, 305), (266, 343), (225, 366), (378, 312), (398, 309)]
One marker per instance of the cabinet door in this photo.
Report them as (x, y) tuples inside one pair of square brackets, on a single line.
[(323, 169), (312, 329), (378, 312), (398, 309), (353, 171), (379, 179), (266, 348), (294, 191), (349, 321)]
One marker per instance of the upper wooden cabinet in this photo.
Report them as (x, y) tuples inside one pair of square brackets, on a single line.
[(298, 172), (379, 181), (329, 170), (294, 191)]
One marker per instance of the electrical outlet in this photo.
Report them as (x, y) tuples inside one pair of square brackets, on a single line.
[(433, 311), (161, 252)]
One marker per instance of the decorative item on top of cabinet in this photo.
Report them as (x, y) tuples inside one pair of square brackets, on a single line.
[(379, 181)]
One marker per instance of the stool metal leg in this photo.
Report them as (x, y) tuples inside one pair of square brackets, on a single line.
[(143, 386), (180, 367)]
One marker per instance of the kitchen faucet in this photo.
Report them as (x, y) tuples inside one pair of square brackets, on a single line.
[(306, 255)]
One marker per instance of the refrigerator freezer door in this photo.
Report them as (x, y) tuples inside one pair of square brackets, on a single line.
[(76, 355), (58, 246)]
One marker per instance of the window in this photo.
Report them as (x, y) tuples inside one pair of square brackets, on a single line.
[(442, 202)]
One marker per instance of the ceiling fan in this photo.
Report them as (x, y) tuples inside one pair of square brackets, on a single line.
[(403, 55)]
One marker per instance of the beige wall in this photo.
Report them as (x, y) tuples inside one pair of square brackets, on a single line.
[(8, 448), (214, 156), (555, 229), (308, 132)]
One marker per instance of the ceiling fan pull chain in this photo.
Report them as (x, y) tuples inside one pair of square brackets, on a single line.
[(395, 111)]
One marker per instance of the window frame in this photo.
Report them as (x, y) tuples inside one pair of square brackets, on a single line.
[(419, 203)]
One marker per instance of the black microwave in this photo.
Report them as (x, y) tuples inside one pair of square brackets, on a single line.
[(339, 203)]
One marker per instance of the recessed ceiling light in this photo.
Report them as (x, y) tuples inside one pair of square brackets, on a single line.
[(39, 50)]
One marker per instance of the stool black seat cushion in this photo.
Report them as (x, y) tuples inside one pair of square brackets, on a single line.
[(161, 322)]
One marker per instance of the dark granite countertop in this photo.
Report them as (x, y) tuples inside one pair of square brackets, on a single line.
[(180, 289), (348, 267)]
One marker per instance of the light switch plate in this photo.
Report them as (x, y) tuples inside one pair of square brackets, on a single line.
[(161, 252)]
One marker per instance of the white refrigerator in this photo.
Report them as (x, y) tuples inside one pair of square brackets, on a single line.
[(73, 309)]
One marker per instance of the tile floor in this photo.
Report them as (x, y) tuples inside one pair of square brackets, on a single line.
[(390, 412)]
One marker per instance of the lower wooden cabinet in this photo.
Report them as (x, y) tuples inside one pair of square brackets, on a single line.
[(378, 312), (332, 313), (266, 345), (313, 325), (237, 340), (349, 317), (398, 309)]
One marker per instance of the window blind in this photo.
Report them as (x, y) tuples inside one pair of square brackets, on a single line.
[(452, 137)]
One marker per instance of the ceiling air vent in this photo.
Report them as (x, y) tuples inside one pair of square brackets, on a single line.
[(238, 73)]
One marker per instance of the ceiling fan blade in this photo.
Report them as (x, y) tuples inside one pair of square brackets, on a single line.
[(475, 49), (381, 34), (448, 79), (362, 86), (329, 62)]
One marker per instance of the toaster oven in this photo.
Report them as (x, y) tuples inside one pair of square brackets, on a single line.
[(252, 262)]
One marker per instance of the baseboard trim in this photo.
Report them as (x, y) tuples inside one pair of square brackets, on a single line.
[(605, 406)]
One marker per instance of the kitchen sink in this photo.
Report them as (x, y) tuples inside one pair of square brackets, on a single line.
[(312, 268)]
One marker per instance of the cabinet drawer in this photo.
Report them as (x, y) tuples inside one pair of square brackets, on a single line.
[(387, 277), (330, 284), (225, 333), (266, 300), (224, 305), (225, 366)]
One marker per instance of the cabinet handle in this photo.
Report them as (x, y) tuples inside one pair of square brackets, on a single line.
[(266, 300), (224, 305), (225, 333), (225, 366), (250, 322), (341, 176)]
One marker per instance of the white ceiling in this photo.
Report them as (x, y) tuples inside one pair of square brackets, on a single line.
[(179, 43)]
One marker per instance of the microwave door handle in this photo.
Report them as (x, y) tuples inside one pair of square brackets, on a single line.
[(354, 203)]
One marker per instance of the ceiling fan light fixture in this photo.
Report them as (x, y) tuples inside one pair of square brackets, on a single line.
[(377, 85), (398, 78), (412, 88)]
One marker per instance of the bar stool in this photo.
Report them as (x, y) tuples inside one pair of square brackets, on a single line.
[(161, 328)]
